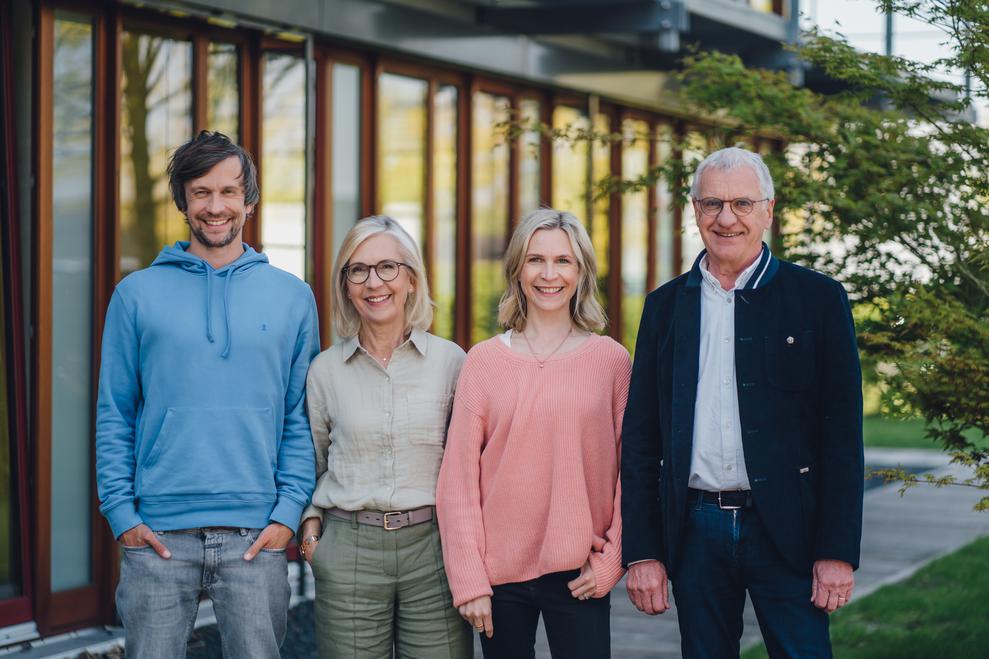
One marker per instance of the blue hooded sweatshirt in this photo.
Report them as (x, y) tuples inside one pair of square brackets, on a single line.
[(201, 419)]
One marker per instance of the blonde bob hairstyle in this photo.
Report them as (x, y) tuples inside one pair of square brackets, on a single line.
[(418, 306), (585, 310)]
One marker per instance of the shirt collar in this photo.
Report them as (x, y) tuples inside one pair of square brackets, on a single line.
[(418, 338), (740, 281)]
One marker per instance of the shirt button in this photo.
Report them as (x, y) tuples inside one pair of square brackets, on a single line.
[(728, 300), (726, 339), (726, 380), (728, 467)]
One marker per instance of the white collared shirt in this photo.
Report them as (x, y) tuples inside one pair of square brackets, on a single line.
[(717, 461)]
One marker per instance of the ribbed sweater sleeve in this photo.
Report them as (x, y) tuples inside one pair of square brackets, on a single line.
[(458, 494), (607, 563)]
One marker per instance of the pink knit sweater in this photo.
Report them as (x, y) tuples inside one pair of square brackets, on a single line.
[(529, 482)]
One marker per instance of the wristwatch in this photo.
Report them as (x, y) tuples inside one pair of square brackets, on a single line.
[(306, 541)]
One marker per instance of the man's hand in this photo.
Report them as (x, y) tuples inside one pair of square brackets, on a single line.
[(648, 587), (832, 585), (274, 536), (478, 613), (585, 584), (141, 536)]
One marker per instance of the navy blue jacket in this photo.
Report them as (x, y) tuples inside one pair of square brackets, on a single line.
[(800, 403)]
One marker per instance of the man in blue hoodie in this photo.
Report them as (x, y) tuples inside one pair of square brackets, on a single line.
[(203, 453)]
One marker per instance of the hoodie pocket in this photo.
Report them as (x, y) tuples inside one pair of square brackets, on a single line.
[(211, 450)]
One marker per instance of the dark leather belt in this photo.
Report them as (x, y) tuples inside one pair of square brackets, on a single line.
[(726, 499), (391, 521)]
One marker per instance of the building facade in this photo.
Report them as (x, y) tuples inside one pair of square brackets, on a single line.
[(426, 111)]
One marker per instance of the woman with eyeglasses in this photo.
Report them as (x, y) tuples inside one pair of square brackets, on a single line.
[(379, 400), (528, 494)]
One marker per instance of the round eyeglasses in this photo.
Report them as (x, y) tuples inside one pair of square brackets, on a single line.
[(387, 270), (740, 206)]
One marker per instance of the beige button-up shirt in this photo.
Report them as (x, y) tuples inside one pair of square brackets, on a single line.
[(378, 432)]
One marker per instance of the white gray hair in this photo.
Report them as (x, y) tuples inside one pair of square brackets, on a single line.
[(734, 158), (418, 306)]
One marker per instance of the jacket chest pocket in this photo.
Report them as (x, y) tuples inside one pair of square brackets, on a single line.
[(790, 360)]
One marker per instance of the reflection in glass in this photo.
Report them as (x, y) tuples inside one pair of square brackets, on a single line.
[(635, 228), (402, 151), (9, 528), (570, 162), (283, 162), (72, 283), (489, 216), (156, 101), (222, 108), (665, 268), (346, 152), (694, 150), (444, 239), (530, 195), (600, 225)]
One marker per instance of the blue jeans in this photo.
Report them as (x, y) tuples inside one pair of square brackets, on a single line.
[(725, 553), (158, 598)]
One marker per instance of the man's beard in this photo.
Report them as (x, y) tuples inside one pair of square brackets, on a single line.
[(206, 241)]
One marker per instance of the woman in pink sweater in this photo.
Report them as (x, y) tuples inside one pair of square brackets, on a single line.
[(528, 494)]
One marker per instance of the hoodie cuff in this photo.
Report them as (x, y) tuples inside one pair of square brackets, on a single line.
[(123, 518), (287, 512)]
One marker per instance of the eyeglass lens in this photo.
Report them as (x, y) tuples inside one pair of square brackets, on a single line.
[(358, 273), (713, 205)]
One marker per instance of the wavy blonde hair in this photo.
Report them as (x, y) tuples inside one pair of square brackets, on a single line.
[(418, 306), (585, 310)]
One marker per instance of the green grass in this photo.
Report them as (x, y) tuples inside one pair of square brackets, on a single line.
[(938, 612), (879, 431)]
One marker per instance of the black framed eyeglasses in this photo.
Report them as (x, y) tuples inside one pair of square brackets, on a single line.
[(740, 206), (387, 270)]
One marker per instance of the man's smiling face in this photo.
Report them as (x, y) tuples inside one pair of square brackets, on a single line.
[(733, 241)]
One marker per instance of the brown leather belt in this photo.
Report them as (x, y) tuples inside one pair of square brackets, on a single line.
[(391, 521)]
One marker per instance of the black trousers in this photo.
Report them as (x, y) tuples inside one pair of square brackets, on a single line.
[(576, 629)]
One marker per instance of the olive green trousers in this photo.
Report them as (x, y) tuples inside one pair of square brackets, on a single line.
[(379, 590)]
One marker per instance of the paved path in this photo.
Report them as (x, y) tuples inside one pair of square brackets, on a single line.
[(901, 535)]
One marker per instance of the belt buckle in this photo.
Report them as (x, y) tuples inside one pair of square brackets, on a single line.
[(388, 517), (724, 507)]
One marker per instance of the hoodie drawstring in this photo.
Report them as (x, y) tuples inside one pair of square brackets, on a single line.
[(209, 304), (227, 285)]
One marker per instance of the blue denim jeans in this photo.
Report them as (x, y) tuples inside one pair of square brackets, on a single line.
[(725, 554), (158, 598)]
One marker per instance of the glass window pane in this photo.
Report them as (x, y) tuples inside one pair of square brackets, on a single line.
[(489, 216), (665, 268), (223, 107), (600, 225), (635, 228), (695, 149), (283, 162), (444, 245), (72, 284), (530, 195), (402, 151), (10, 532), (156, 117), (570, 163), (346, 151)]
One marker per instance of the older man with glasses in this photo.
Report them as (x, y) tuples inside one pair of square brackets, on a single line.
[(742, 465)]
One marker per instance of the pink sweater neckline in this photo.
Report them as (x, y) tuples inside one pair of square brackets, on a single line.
[(589, 342)]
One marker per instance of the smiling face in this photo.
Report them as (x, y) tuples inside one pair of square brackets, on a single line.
[(380, 303), (549, 272), (216, 211), (733, 242)]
